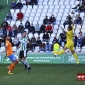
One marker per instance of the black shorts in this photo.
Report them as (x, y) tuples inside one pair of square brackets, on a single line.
[(23, 54)]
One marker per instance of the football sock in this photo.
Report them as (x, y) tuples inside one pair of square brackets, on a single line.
[(61, 52), (22, 61), (76, 57), (11, 66), (27, 64)]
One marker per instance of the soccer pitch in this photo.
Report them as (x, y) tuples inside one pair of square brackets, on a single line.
[(55, 74)]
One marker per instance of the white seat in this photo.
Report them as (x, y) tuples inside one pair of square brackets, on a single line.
[(51, 7), (18, 23), (57, 22), (31, 18), (34, 22), (17, 10), (40, 22), (23, 22), (56, 11), (59, 14), (45, 7), (62, 6), (37, 14), (12, 22), (67, 6), (44, 10), (28, 11), (12, 11), (24, 7), (50, 10), (26, 14), (61, 10), (29, 7), (50, 2), (35, 6), (36, 49), (53, 35), (36, 18), (39, 10), (40, 7), (58, 18), (30, 35), (36, 35), (41, 35), (66, 10), (26, 30), (32, 14), (14, 48), (66, 2), (39, 3), (43, 15), (55, 26), (55, 3), (33, 10), (61, 3), (3, 49), (19, 35), (45, 3), (23, 11)]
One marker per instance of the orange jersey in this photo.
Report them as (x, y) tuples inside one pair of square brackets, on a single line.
[(9, 48)]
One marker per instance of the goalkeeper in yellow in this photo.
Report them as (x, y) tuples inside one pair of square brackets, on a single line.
[(69, 44)]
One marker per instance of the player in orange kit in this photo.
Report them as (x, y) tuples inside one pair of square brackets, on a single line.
[(10, 55)]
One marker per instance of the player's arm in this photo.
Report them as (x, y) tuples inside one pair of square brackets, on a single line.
[(21, 41), (63, 30), (6, 46)]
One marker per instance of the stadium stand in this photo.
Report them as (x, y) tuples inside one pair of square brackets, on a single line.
[(36, 14)]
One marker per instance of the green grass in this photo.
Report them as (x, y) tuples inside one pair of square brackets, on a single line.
[(42, 75)]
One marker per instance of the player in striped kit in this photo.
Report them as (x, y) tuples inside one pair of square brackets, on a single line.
[(23, 51)]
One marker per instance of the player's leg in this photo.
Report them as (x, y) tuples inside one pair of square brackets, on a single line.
[(74, 54), (26, 62), (14, 63), (21, 55)]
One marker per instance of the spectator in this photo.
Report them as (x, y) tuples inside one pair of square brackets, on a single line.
[(4, 25), (42, 28), (75, 41), (52, 20), (47, 47), (9, 16), (38, 42), (21, 28), (82, 43), (15, 30), (37, 28), (78, 20), (45, 36), (54, 40), (9, 30), (20, 15), (62, 39), (46, 20), (27, 24), (32, 29), (33, 2), (15, 42), (1, 33), (33, 42), (29, 45), (42, 47), (80, 37), (13, 5), (19, 5), (28, 2), (68, 21), (49, 29)]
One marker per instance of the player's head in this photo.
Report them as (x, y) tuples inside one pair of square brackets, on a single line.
[(24, 34), (69, 28)]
